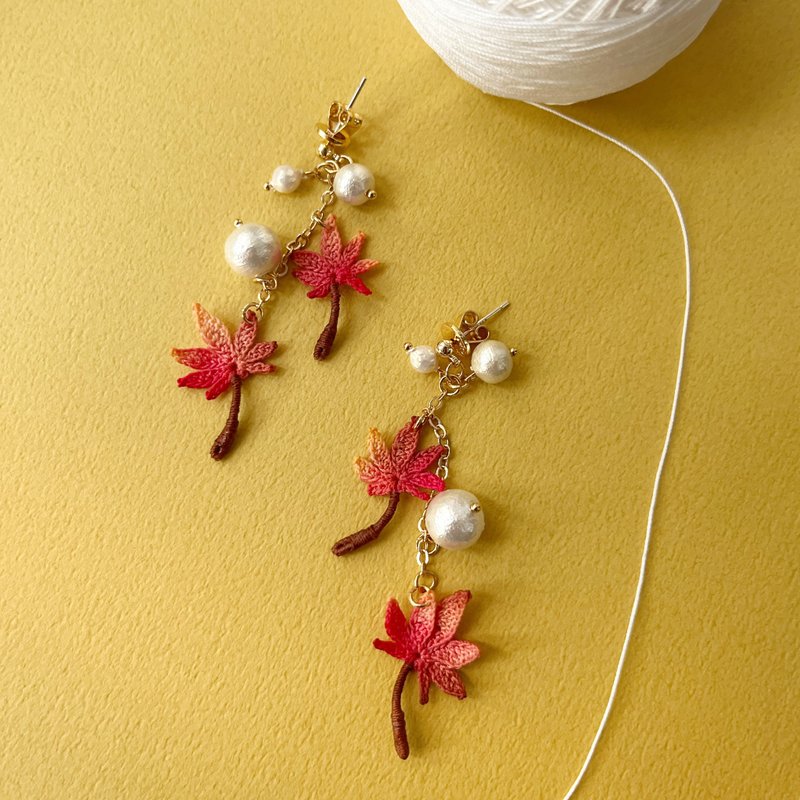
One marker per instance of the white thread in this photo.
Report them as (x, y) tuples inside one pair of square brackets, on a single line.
[(667, 439), (557, 51)]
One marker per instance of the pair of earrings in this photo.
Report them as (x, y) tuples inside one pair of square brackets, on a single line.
[(451, 519), (255, 251)]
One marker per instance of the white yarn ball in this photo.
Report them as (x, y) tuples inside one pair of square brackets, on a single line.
[(557, 51)]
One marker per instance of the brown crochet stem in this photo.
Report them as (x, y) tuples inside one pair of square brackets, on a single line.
[(224, 442), (324, 344), (398, 717), (368, 534)]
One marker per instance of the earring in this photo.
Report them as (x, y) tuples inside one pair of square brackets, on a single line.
[(452, 519), (254, 251)]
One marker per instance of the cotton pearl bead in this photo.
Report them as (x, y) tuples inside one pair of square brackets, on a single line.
[(285, 179), (454, 519), (492, 361), (251, 250), (422, 358), (352, 183)]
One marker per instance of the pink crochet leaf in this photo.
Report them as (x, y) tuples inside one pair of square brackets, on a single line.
[(401, 467), (213, 330), (421, 625), (448, 680), (451, 609), (245, 336), (331, 244), (261, 351), (455, 653)]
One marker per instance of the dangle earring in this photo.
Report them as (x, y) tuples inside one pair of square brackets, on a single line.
[(451, 519), (254, 251)]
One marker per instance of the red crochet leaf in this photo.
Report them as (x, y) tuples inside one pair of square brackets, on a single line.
[(201, 380), (426, 457), (225, 355), (395, 622), (400, 468), (426, 641), (418, 481), (355, 283), (335, 264), (313, 271), (394, 649)]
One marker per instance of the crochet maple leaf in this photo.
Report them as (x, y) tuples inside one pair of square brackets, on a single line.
[(425, 643), (392, 471), (227, 361), (336, 265)]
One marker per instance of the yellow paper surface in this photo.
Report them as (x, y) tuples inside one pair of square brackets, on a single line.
[(174, 627)]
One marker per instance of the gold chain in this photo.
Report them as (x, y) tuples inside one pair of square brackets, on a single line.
[(453, 379), (425, 580), (325, 172)]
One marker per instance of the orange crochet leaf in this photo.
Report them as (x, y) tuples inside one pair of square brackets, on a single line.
[(400, 468), (391, 471)]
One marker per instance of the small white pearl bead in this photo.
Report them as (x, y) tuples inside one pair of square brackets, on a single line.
[(251, 250), (422, 358), (285, 179), (352, 182), (492, 361), (454, 519)]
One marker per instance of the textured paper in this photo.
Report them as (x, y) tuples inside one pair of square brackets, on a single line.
[(175, 628)]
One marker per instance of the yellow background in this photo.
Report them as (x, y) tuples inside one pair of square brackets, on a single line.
[(176, 628)]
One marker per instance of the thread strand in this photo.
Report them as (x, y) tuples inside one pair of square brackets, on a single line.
[(667, 439)]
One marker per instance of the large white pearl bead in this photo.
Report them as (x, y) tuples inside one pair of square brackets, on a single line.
[(422, 358), (352, 184), (454, 519), (285, 179), (252, 250), (492, 361)]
